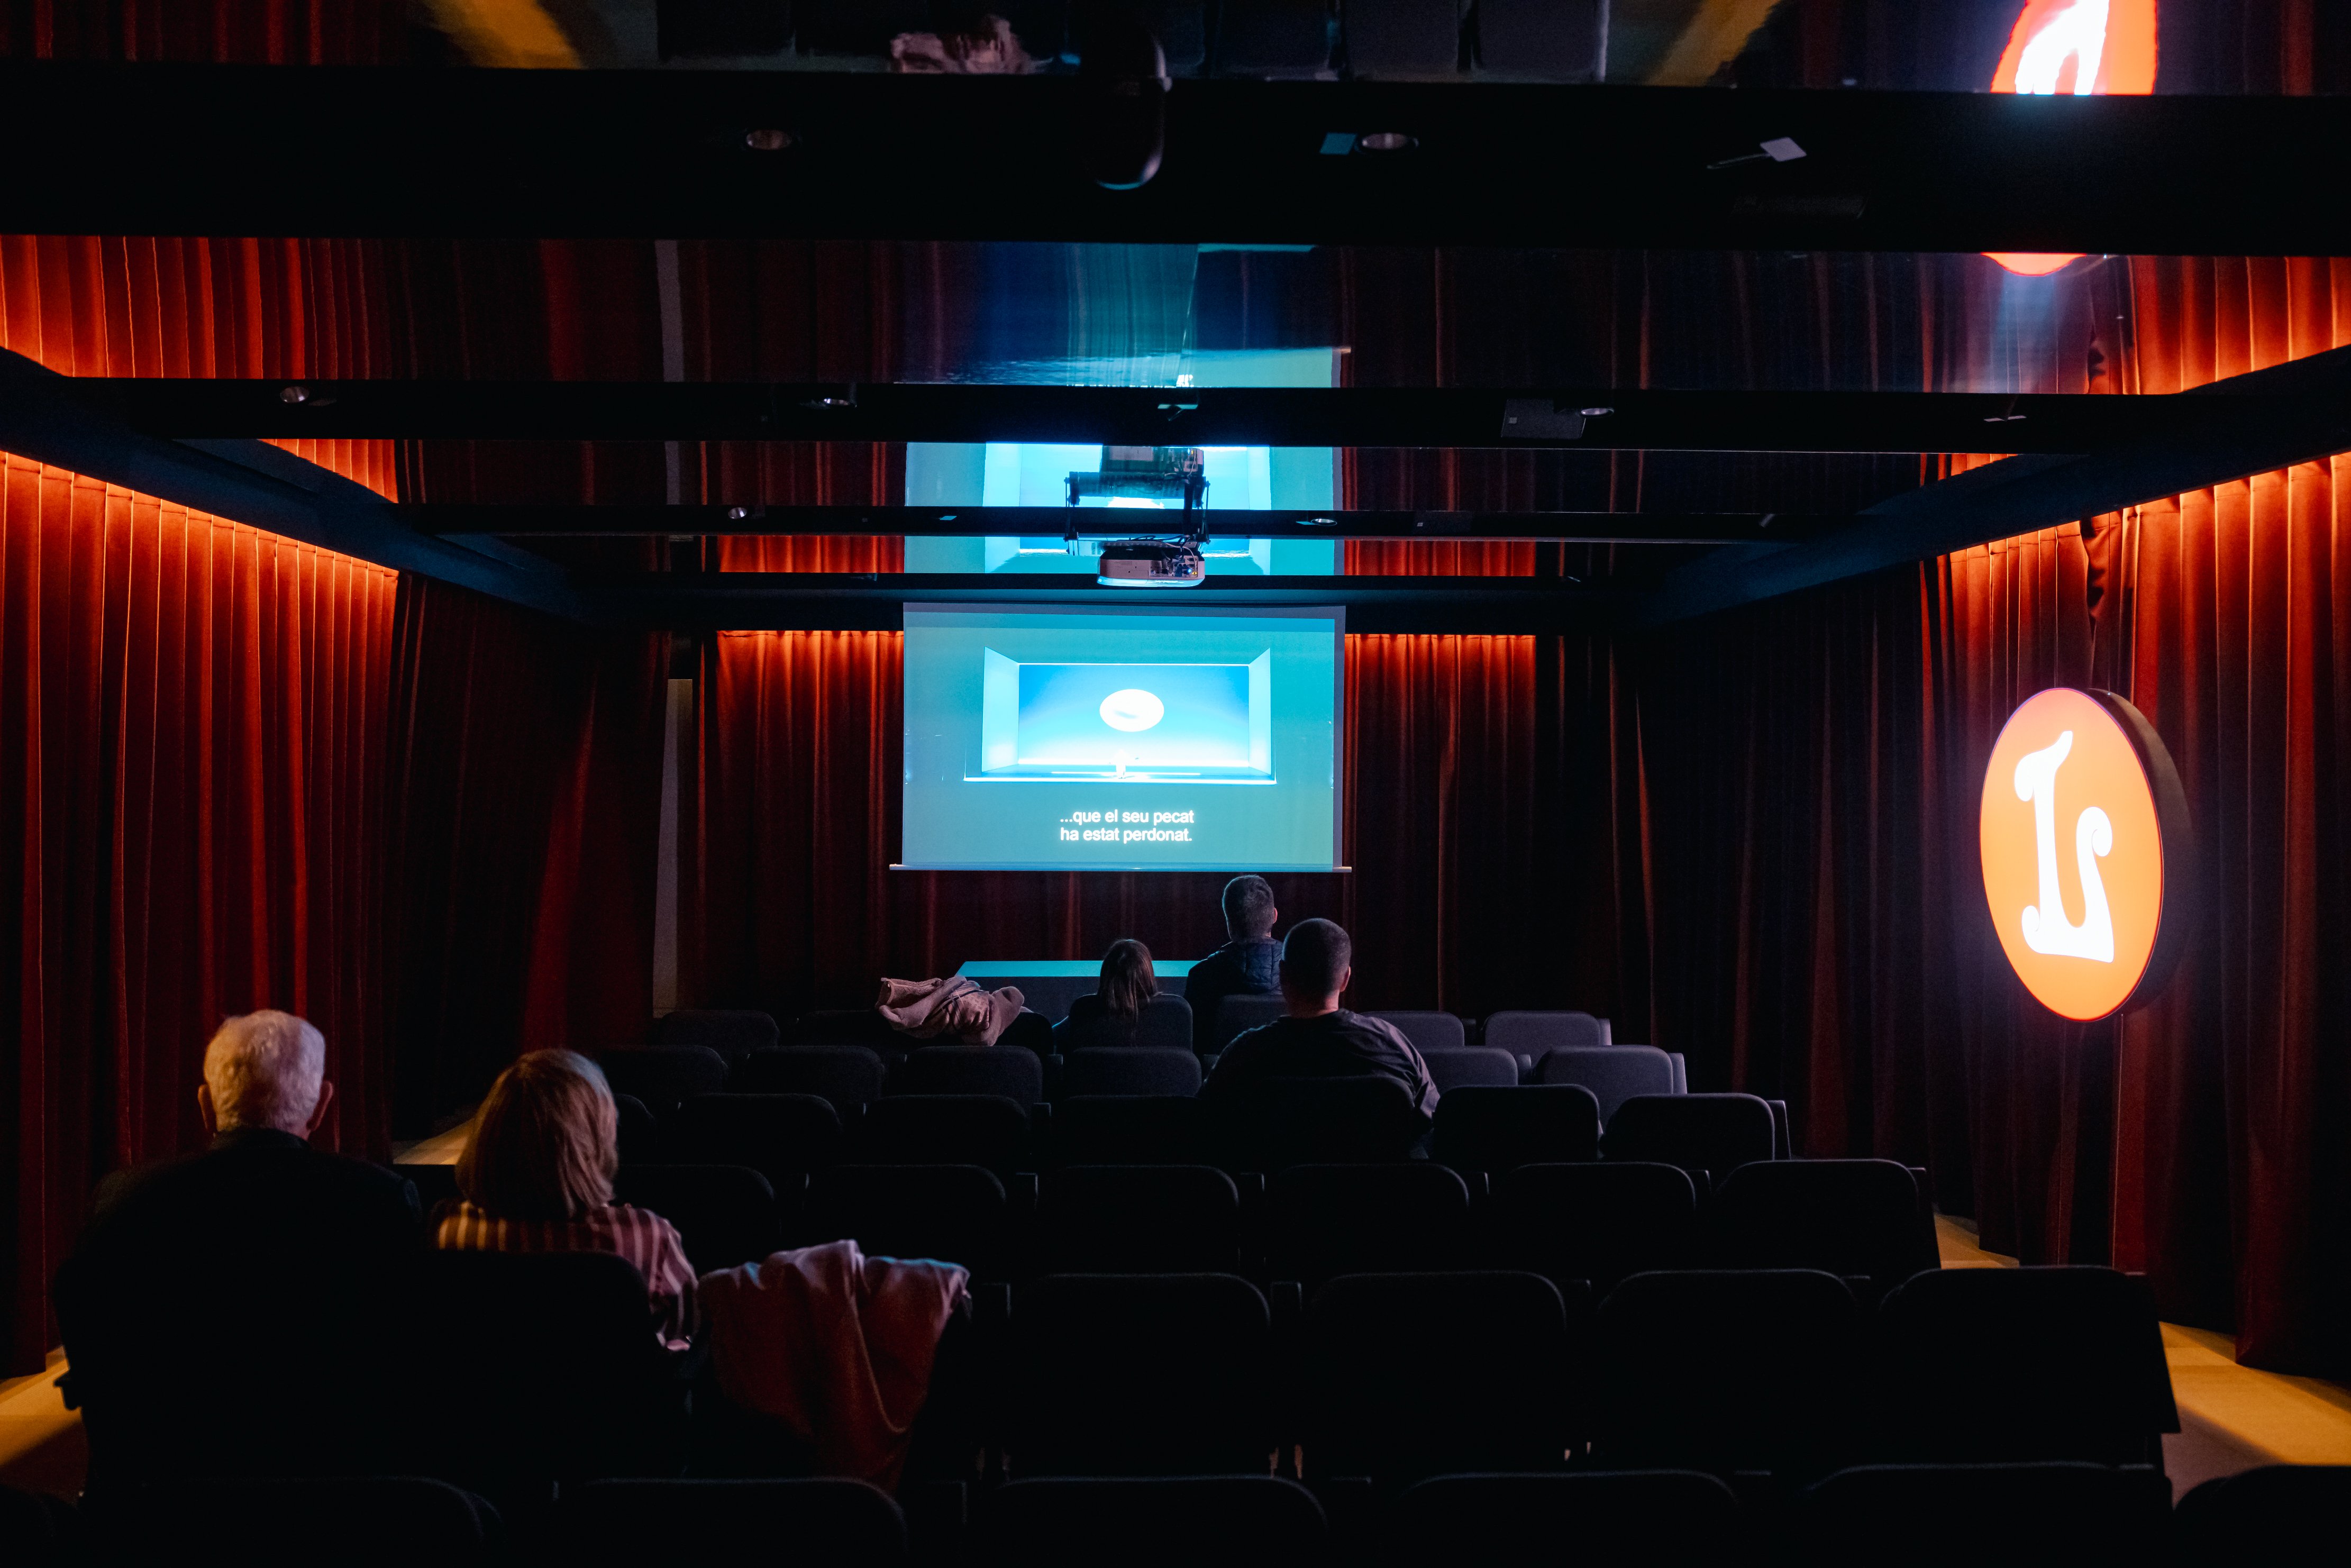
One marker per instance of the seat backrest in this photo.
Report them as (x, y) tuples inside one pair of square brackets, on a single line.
[(1158, 1521), (1018, 1075), (1133, 1129), (724, 1215), (1533, 1034), (1543, 40), (1720, 1370), (850, 1076), (988, 1130), (664, 1076), (1131, 1070), (1428, 1031), (1979, 1365), (1499, 1129), (781, 1136), (1715, 1133), (1484, 1387), (1245, 1010), (1598, 1222), (1284, 1121), (527, 1367), (1139, 1219), (2262, 1518), (1615, 1074), (1661, 1519), (2044, 1516), (1481, 1067), (376, 1521), (1322, 1221), (955, 1213), (1847, 1217), (436, 1184), (822, 1523), (1388, 40), (732, 1033), (1165, 1024), (1273, 38), (42, 1532), (636, 1132), (1180, 26), (1141, 1375)]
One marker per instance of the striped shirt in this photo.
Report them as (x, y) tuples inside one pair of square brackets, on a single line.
[(639, 1235)]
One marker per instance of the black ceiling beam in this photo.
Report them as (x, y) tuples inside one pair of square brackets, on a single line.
[(1645, 420), (754, 600), (459, 521), (2021, 493), (259, 484), (327, 151)]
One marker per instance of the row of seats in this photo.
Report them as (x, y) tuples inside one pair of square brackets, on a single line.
[(1862, 1220), (1535, 40), (2060, 1515)]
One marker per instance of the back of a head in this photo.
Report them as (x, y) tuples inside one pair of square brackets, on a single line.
[(1128, 980), (1249, 907), (545, 1144), (1314, 958), (263, 1070)]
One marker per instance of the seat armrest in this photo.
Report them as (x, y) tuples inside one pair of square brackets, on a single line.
[(1782, 1143), (1681, 1071)]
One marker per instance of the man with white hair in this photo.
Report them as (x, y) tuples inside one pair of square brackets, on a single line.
[(224, 1312)]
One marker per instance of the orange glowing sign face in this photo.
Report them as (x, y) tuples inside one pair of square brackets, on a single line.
[(2074, 47), (2084, 839)]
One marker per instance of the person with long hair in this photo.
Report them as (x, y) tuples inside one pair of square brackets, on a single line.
[(1111, 1016), (536, 1176)]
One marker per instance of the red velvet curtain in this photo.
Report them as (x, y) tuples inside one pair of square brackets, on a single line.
[(190, 743)]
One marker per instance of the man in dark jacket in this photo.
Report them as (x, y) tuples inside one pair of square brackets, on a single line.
[(1319, 1038), (230, 1312), (1244, 966)]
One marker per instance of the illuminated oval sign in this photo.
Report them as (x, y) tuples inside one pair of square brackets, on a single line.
[(2074, 49), (2084, 835)]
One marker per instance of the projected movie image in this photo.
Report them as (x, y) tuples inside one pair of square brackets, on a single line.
[(1121, 739)]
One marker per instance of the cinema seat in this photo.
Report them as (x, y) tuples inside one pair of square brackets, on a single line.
[(39, 1531), (1615, 1074), (1131, 1070), (1273, 38), (636, 1132), (1708, 1135), (2265, 1518), (1139, 1219), (1484, 1386), (1529, 1034), (732, 1033), (436, 1184), (1727, 1371), (724, 1215), (1135, 1129), (850, 1076), (1658, 1519), (988, 1130), (2008, 1364), (1428, 1031), (1238, 1014), (781, 1136), (955, 1214), (2041, 1516), (1849, 1218), (369, 1521), (1180, 26), (1184, 1522), (1497, 1130), (1596, 1222), (1018, 1075), (1479, 1068), (527, 1370), (1322, 1121), (810, 1522), (1141, 1375), (666, 1077), (1322, 1221), (1402, 40), (1543, 40)]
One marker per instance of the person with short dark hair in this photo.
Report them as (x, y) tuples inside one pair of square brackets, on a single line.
[(1246, 964), (1319, 1038), (1113, 1013)]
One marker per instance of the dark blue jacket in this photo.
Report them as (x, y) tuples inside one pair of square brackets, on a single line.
[(1247, 966)]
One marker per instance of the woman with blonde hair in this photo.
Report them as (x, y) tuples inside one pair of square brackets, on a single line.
[(536, 1176)]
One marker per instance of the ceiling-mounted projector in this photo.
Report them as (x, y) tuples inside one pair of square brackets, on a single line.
[(1148, 476), (1152, 563)]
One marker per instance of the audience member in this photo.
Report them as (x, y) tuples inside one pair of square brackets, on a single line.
[(1112, 1014), (536, 1176), (225, 1313), (1319, 1038), (1245, 964)]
